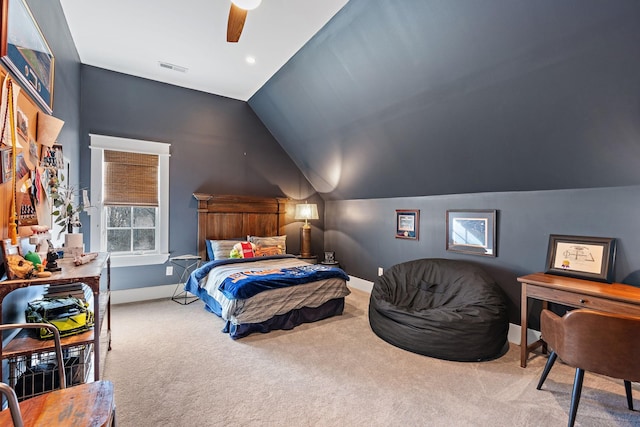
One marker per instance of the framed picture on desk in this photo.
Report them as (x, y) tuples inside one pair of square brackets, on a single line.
[(582, 257)]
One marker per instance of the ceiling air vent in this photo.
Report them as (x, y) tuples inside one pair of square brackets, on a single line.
[(173, 67)]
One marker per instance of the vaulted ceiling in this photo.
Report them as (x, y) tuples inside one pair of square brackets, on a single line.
[(428, 97), (397, 98)]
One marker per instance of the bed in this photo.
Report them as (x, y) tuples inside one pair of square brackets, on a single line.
[(271, 291)]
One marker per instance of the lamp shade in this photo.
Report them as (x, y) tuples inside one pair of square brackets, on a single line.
[(247, 4), (307, 211)]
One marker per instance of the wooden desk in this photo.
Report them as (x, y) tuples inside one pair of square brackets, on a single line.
[(88, 274), (579, 293)]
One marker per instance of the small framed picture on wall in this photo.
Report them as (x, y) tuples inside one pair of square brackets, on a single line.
[(6, 164), (407, 224), (52, 157), (472, 231)]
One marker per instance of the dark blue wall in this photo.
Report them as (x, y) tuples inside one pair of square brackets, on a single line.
[(218, 145), (361, 232), (528, 107), (411, 98), (532, 106)]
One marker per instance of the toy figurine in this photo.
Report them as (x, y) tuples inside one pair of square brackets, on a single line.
[(52, 258)]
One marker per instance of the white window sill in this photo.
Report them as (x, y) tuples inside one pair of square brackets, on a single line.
[(138, 260)]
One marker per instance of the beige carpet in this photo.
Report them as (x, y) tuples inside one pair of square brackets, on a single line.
[(172, 366)]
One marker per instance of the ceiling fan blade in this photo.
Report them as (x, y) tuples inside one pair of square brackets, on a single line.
[(237, 16)]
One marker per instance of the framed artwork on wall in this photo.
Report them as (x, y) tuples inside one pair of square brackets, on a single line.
[(52, 157), (25, 52), (582, 257), (6, 164), (472, 231), (407, 224)]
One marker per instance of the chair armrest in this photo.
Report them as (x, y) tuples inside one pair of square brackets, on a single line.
[(14, 408)]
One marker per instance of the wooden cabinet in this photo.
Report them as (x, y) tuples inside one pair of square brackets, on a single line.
[(90, 275)]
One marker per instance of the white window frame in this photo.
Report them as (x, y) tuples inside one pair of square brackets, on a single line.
[(98, 240)]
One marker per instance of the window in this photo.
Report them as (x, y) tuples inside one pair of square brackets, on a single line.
[(130, 194), (131, 229)]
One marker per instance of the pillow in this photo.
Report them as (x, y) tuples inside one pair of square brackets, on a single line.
[(265, 246), (220, 249), (243, 250)]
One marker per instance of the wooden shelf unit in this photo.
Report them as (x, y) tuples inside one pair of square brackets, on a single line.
[(89, 274)]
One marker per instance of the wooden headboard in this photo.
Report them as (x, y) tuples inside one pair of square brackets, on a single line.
[(230, 217)]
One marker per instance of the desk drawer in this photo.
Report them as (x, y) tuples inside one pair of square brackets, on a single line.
[(581, 301)]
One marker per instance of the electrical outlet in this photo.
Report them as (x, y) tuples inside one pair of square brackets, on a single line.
[(380, 271), (169, 270)]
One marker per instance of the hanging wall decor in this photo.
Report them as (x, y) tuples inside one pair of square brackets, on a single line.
[(407, 224), (24, 50), (471, 231), (6, 164), (52, 157)]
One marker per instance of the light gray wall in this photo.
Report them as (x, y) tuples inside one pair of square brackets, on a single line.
[(362, 231)]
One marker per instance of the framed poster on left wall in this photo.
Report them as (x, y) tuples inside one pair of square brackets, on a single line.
[(25, 52), (6, 164)]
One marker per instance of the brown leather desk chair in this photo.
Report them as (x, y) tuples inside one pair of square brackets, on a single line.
[(90, 404), (593, 341)]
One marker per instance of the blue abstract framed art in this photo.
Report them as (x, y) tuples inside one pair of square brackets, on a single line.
[(25, 52), (472, 232)]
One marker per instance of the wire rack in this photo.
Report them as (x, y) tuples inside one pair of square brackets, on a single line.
[(37, 373)]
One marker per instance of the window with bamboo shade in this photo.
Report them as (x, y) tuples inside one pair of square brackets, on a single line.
[(130, 198), (130, 179), (130, 187)]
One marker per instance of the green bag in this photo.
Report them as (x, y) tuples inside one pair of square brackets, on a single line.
[(69, 315)]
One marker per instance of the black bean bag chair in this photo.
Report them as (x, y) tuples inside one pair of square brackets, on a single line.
[(441, 308)]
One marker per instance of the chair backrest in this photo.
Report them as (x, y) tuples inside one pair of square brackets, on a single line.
[(7, 391), (603, 343)]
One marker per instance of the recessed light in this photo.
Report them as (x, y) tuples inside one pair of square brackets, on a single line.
[(250, 60), (247, 4)]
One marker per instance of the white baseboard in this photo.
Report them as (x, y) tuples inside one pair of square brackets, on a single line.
[(142, 294), (360, 284), (514, 334), (166, 291)]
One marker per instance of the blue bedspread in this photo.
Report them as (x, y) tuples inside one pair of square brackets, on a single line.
[(249, 283)]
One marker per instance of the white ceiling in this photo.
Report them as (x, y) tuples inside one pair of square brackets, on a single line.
[(134, 36)]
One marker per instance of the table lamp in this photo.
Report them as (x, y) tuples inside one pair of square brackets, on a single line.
[(306, 211)]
